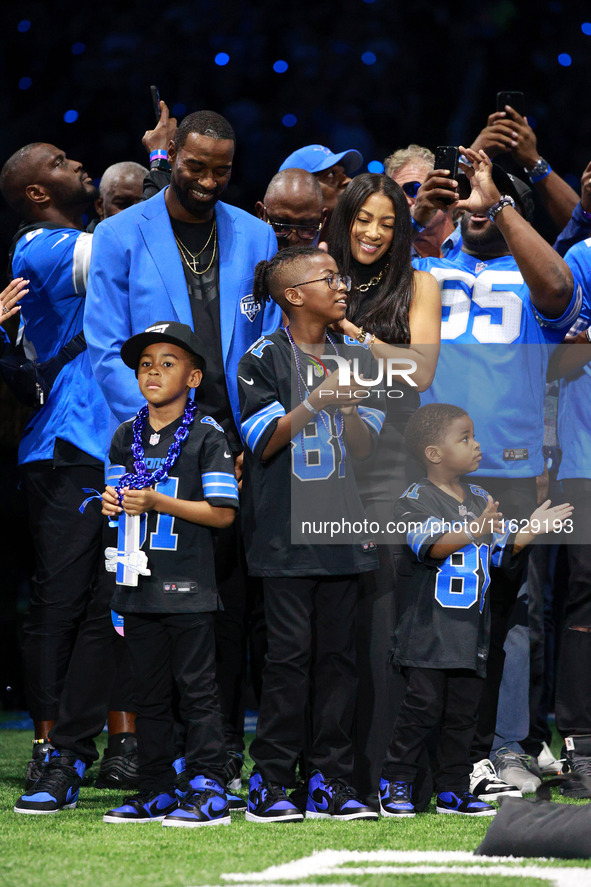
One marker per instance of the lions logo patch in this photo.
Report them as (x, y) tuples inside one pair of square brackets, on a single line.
[(249, 307), (209, 420)]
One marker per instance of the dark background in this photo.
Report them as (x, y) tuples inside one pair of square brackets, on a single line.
[(436, 73), (437, 70)]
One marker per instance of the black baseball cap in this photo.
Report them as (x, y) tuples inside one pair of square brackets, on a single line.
[(162, 331), (515, 188)]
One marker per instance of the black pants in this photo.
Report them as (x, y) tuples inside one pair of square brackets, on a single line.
[(573, 683), (517, 498), (449, 696), (240, 632), (167, 650), (69, 561), (311, 655)]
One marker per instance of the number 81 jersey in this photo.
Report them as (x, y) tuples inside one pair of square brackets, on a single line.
[(494, 357), (444, 620)]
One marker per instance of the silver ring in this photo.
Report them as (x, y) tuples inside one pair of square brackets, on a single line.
[(5, 310)]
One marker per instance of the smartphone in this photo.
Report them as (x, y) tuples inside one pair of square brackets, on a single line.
[(446, 157), (155, 101), (515, 99)]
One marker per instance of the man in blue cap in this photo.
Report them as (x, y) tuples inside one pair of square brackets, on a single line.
[(333, 171)]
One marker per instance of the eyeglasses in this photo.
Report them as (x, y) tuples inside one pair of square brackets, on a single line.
[(411, 189), (284, 229), (334, 281)]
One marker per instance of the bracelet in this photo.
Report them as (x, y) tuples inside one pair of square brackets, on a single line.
[(588, 333), (495, 209), (371, 342), (471, 538), (306, 403), (158, 154), (539, 170), (417, 225)]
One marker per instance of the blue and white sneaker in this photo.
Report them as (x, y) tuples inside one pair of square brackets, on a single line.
[(268, 802), (396, 799), (57, 787), (334, 799), (235, 802), (205, 804), (146, 806), (465, 804)]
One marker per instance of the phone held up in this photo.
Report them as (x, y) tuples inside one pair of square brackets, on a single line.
[(447, 157), (515, 99), (155, 101)]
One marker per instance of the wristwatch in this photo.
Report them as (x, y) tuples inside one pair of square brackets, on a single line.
[(539, 170)]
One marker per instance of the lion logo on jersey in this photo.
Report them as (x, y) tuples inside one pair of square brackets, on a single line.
[(249, 307)]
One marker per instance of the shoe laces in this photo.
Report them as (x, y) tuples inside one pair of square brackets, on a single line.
[(516, 758), (275, 791), (484, 768), (580, 764), (56, 774), (400, 791), (342, 791)]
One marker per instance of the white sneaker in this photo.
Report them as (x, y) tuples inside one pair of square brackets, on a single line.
[(486, 785), (548, 763)]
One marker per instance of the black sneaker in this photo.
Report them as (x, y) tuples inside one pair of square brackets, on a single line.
[(146, 806), (334, 799), (576, 752), (465, 804), (205, 804), (119, 770), (42, 748), (396, 798), (268, 802), (57, 787)]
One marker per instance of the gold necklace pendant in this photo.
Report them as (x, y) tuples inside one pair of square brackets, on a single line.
[(363, 287), (190, 259)]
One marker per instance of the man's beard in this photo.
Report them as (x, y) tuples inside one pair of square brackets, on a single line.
[(198, 208)]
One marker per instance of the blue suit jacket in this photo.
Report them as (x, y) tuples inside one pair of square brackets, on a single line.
[(136, 278)]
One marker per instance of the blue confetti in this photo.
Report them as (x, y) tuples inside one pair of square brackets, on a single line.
[(71, 116), (24, 83), (222, 58), (564, 59), (368, 58), (375, 165), (289, 120), (23, 26), (280, 66)]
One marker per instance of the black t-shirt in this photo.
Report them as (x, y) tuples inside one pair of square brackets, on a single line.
[(312, 479), (199, 239), (180, 553), (445, 621)]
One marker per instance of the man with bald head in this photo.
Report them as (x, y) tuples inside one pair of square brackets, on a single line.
[(292, 206), (61, 455), (121, 186)]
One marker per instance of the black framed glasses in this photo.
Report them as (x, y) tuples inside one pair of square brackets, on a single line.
[(284, 228), (333, 280), (411, 189)]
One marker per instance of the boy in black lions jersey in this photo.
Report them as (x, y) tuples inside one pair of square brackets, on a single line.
[(301, 428), (180, 484), (454, 531)]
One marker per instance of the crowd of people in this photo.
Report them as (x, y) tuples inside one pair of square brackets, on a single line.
[(208, 496)]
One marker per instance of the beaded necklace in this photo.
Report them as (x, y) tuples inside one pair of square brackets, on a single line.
[(339, 421), (142, 477)]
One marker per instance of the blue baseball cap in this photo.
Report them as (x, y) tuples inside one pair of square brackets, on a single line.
[(316, 158)]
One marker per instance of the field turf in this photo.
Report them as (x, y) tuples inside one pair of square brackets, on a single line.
[(74, 847)]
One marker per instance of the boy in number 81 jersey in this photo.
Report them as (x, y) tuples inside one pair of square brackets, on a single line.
[(302, 428), (182, 483), (454, 531)]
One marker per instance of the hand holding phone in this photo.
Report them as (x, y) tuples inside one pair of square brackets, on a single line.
[(156, 102), (515, 99)]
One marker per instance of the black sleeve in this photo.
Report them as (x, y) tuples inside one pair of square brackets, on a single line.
[(260, 407)]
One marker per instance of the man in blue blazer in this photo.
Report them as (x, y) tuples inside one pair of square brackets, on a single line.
[(151, 261), (184, 256)]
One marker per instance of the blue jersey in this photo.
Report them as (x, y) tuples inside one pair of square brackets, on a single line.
[(55, 260), (501, 385), (574, 414)]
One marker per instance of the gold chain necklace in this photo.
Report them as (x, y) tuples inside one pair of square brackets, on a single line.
[(191, 259), (363, 287)]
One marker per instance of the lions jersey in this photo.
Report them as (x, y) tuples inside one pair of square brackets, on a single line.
[(55, 260), (445, 621), (180, 552), (574, 412), (494, 357), (309, 482)]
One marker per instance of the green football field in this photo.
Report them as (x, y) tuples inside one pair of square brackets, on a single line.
[(75, 847)]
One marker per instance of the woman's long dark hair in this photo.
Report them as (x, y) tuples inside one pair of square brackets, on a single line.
[(386, 313)]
